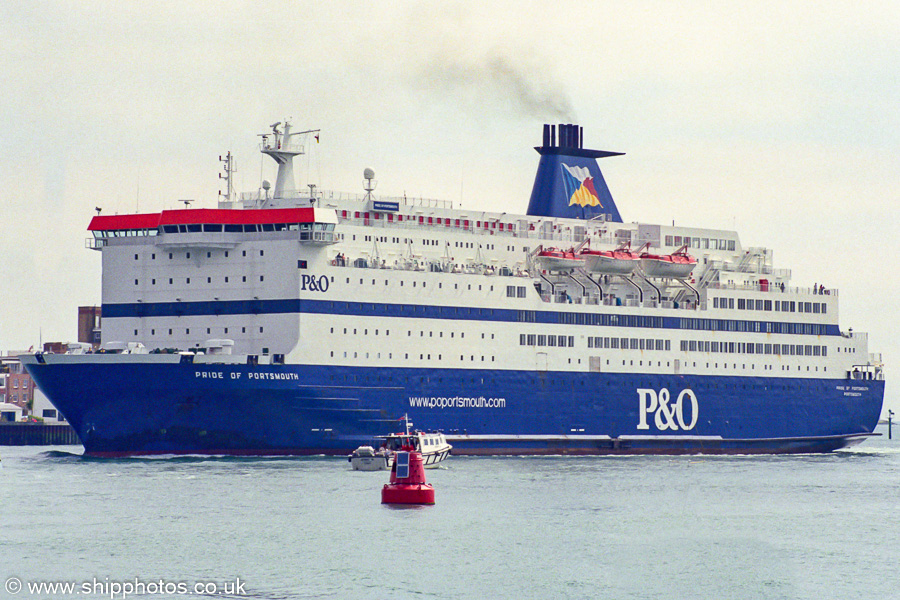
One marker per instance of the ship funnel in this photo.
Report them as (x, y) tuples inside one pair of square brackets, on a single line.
[(569, 183)]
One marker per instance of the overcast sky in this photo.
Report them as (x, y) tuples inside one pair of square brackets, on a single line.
[(778, 119)]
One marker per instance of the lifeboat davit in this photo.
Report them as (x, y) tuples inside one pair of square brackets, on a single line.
[(679, 264), (621, 261), (554, 259)]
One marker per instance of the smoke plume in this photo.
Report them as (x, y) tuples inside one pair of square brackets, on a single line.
[(497, 79)]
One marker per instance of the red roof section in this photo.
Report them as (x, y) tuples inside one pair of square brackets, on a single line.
[(197, 216), (142, 221)]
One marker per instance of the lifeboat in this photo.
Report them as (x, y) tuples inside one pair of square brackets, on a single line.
[(553, 259), (621, 261), (679, 264)]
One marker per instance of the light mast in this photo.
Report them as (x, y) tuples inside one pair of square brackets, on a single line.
[(283, 149)]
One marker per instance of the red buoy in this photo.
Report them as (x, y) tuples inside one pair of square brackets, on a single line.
[(407, 484)]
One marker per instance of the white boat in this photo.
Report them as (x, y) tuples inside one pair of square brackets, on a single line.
[(433, 446), (367, 458)]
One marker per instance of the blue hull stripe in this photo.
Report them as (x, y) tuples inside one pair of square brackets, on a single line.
[(462, 313)]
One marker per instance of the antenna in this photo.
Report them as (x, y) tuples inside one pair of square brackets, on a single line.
[(187, 203), (228, 169), (369, 185)]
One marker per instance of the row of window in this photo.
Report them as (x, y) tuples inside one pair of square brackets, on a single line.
[(232, 228), (604, 320), (423, 356), (396, 240), (423, 220), (700, 243), (387, 332), (561, 341), (753, 348), (188, 255), (515, 291), (753, 326), (629, 343), (778, 305), (187, 331), (187, 280), (423, 284)]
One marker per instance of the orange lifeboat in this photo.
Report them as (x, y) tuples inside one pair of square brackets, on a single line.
[(554, 259), (621, 261), (678, 265)]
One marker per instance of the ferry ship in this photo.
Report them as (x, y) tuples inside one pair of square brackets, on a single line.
[(291, 321)]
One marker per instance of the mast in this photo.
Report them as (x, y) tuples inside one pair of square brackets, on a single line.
[(228, 169), (283, 149)]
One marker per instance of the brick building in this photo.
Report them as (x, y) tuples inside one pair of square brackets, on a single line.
[(89, 325)]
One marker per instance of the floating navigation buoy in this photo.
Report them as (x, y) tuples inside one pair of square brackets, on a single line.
[(407, 484)]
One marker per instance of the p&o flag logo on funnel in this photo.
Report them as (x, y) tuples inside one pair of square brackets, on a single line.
[(579, 186)]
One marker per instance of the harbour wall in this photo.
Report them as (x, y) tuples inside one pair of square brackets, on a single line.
[(37, 434)]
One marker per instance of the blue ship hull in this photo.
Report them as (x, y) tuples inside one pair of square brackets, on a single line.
[(121, 408)]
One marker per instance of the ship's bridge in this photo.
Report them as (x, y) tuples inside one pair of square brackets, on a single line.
[(214, 228)]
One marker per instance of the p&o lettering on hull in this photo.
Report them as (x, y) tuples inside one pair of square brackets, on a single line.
[(667, 415), (313, 283)]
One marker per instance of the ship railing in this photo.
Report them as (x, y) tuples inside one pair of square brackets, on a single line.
[(447, 224), (94, 243), (279, 143), (866, 372), (377, 219), (323, 196), (773, 287)]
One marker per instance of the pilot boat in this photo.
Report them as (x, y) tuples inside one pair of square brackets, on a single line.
[(433, 446)]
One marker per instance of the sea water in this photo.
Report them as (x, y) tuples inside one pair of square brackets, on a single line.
[(810, 526)]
